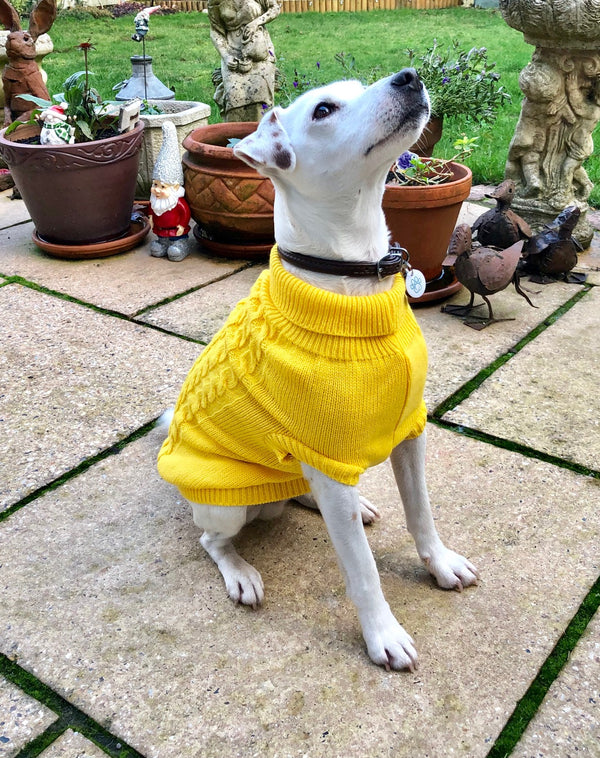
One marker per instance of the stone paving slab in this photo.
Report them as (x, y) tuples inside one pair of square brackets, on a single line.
[(79, 382), (21, 719), (11, 211), (202, 313), (129, 621), (568, 721), (541, 397), (125, 283), (457, 352), (72, 745)]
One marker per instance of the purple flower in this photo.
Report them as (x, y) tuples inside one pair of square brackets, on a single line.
[(295, 85), (318, 65), (404, 161), (445, 80)]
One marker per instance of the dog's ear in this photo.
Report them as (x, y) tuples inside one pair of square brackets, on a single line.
[(268, 149)]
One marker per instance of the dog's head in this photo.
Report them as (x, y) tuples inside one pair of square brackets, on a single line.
[(343, 127)]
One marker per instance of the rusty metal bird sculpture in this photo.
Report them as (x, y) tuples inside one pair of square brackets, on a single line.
[(501, 226), (483, 271), (552, 253)]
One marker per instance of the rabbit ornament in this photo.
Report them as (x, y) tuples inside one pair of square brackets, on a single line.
[(21, 74)]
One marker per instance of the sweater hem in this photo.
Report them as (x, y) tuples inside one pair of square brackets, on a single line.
[(255, 495)]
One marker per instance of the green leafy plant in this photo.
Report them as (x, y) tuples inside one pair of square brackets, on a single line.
[(85, 111), (460, 81), (412, 170)]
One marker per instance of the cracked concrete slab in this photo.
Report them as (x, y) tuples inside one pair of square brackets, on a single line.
[(127, 618), (568, 721), (21, 719), (541, 398), (74, 382), (125, 283)]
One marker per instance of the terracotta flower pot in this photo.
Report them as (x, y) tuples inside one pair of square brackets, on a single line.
[(78, 194), (231, 203), (422, 219)]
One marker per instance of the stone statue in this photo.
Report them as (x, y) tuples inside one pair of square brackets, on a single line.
[(246, 82), (553, 136)]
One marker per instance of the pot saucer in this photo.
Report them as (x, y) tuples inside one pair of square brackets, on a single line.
[(439, 289), (228, 250), (138, 229)]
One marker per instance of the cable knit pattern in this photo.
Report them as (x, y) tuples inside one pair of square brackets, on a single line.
[(296, 374)]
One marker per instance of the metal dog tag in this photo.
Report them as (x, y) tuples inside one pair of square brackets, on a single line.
[(414, 279), (415, 283)]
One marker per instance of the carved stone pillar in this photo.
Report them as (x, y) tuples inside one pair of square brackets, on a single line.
[(561, 84)]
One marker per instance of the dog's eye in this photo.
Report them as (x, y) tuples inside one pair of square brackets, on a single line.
[(323, 110)]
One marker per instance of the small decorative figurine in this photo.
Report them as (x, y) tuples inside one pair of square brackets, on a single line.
[(552, 253), (482, 270), (55, 128), (169, 211), (142, 23), (501, 226), (21, 75)]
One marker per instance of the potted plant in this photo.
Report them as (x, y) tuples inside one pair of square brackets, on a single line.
[(421, 202), (459, 82), (231, 202), (80, 194)]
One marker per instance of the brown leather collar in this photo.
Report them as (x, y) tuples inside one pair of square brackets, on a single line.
[(394, 262)]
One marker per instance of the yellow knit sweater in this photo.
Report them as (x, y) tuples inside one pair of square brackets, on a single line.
[(296, 374)]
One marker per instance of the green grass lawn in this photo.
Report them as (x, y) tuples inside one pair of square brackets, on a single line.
[(184, 58)]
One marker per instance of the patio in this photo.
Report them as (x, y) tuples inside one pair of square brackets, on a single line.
[(116, 635)]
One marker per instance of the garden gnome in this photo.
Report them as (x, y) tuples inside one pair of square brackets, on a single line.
[(169, 211), (55, 129), (141, 22)]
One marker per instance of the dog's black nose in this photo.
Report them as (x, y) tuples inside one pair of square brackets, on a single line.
[(408, 77)]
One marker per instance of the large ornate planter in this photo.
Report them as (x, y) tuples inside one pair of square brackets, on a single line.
[(187, 115), (422, 219), (561, 108), (231, 203), (78, 194)]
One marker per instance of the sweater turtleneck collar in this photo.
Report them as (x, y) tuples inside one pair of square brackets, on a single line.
[(329, 313)]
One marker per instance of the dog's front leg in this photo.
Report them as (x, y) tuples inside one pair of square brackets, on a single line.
[(387, 642), (451, 570)]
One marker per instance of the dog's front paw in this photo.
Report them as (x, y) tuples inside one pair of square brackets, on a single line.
[(451, 570), (390, 646), (244, 585)]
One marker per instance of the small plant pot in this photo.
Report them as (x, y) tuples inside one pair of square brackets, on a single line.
[(422, 219), (76, 194), (231, 203)]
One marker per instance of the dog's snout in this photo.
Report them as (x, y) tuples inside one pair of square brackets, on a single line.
[(408, 77)]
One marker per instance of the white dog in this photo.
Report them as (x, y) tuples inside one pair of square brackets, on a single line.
[(319, 373)]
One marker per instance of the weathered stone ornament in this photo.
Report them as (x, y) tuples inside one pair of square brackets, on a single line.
[(561, 108), (169, 211), (246, 80)]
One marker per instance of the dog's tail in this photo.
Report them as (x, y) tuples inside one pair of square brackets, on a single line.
[(164, 422)]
